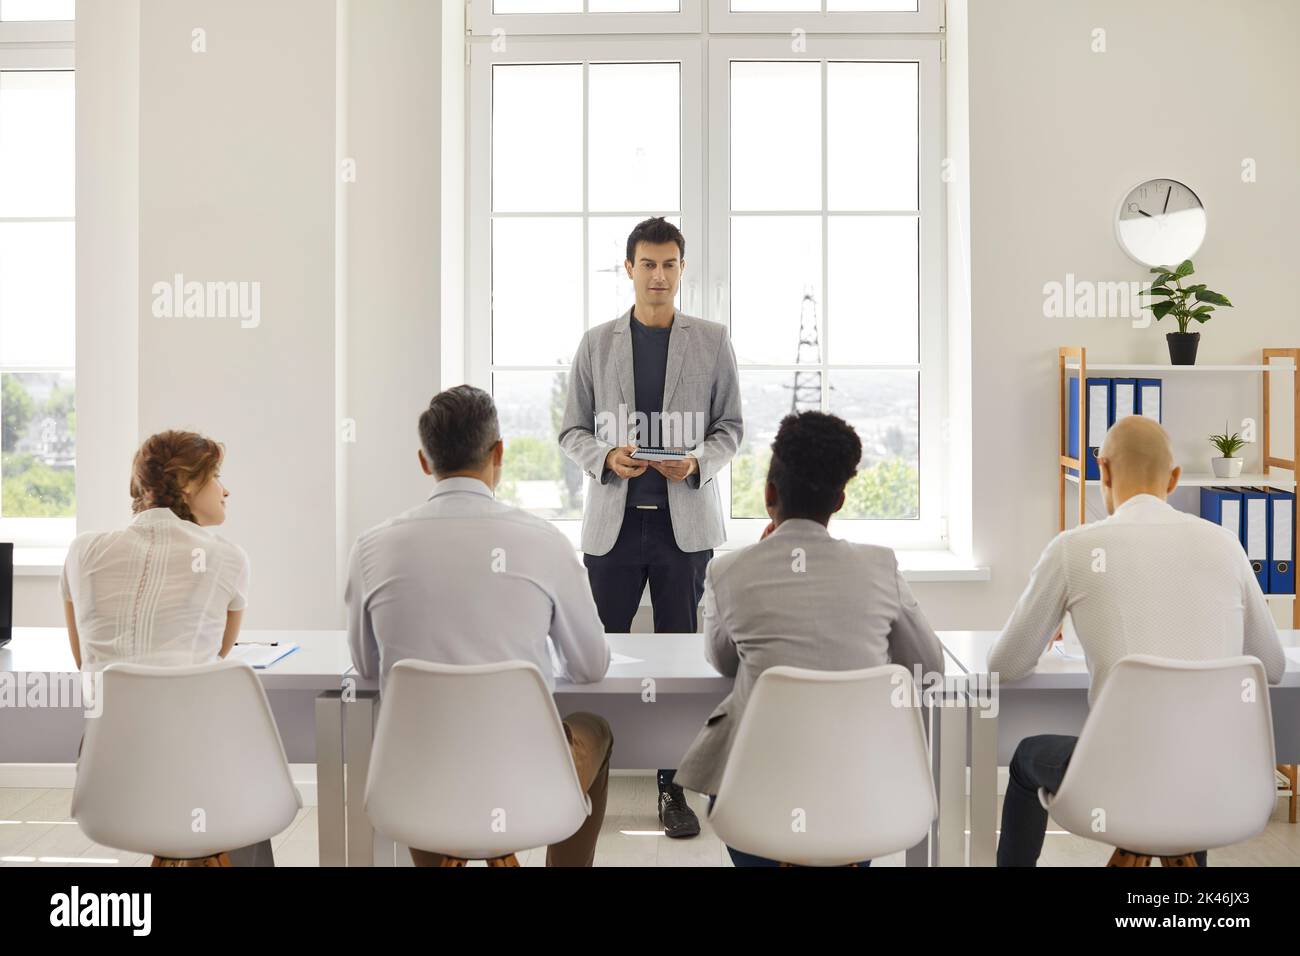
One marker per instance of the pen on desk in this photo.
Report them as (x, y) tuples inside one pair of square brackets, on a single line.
[(261, 643)]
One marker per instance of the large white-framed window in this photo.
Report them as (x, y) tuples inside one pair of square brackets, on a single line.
[(808, 169), (826, 247), (37, 281)]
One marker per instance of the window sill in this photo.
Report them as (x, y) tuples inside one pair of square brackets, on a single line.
[(39, 562), (925, 567)]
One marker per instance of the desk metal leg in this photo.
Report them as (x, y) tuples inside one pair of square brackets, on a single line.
[(330, 822), (951, 843), (983, 784), (919, 855), (359, 718)]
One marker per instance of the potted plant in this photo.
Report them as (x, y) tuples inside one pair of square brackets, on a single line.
[(1185, 304), (1229, 466)]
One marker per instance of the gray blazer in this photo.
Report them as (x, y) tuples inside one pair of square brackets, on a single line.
[(802, 598), (702, 402)]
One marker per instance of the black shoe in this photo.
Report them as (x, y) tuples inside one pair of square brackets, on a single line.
[(676, 815)]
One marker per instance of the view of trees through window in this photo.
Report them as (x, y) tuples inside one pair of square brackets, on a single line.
[(38, 452)]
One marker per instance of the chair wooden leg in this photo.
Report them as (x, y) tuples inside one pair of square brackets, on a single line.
[(452, 861), (1187, 859), (1125, 858), (1290, 771), (509, 860), (219, 859)]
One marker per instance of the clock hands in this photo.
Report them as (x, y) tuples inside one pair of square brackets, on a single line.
[(1167, 195)]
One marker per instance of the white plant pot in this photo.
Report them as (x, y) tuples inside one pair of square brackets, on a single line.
[(1226, 467)]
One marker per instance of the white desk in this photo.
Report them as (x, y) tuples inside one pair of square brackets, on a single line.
[(1054, 700)]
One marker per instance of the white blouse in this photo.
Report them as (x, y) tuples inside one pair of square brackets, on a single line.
[(154, 593)]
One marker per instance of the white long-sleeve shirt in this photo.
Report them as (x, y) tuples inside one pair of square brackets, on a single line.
[(1149, 579), (466, 579)]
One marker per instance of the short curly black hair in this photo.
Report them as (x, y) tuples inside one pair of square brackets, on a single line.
[(655, 231), (814, 455), (458, 429)]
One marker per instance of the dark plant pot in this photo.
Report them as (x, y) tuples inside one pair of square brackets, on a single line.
[(1182, 347)]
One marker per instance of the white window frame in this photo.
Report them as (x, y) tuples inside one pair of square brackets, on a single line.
[(41, 46), (705, 292), (483, 22), (927, 18), (929, 531)]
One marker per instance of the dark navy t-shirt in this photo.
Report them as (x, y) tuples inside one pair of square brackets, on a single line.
[(649, 365)]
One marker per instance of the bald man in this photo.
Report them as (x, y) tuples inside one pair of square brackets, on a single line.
[(1149, 579)]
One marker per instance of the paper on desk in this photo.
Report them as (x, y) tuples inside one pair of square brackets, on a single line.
[(613, 659), (260, 656)]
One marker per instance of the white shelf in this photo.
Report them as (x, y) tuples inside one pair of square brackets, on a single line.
[(1205, 481), (1111, 367)]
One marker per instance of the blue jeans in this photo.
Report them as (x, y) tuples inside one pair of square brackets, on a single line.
[(1038, 762), (741, 858)]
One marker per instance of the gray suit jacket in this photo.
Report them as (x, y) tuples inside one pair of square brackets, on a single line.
[(802, 598), (702, 413)]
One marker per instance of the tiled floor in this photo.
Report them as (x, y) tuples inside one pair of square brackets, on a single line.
[(35, 831)]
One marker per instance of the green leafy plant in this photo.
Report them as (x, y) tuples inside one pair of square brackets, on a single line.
[(1228, 445), (1184, 303)]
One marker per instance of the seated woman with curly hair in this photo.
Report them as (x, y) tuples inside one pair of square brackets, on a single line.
[(167, 590), (137, 595)]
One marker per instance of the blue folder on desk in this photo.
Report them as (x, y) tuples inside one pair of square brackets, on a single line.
[(1223, 507), (1281, 548), (1254, 533), (1149, 391), (1100, 418)]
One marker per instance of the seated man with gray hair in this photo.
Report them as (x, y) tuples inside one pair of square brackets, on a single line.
[(1149, 579), (465, 578)]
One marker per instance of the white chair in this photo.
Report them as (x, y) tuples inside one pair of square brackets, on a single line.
[(472, 762), (183, 763), (1175, 757), (828, 768)]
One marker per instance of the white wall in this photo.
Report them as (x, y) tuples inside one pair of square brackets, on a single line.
[(1058, 134), (237, 184), (394, 83)]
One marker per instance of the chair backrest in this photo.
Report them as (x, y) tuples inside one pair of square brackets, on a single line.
[(183, 762), (472, 761), (827, 768), (1176, 756)]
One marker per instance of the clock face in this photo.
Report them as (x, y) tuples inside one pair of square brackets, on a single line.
[(1160, 223)]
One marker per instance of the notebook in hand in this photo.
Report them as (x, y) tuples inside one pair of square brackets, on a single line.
[(659, 454)]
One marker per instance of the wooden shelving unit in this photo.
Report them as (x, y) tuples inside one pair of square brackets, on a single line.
[(1072, 360)]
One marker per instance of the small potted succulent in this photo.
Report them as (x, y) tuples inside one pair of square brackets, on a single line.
[(1186, 304), (1229, 466)]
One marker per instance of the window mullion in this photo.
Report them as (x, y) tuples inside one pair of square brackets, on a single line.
[(824, 349)]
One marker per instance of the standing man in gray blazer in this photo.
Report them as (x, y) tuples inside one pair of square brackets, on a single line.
[(801, 597), (653, 378)]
